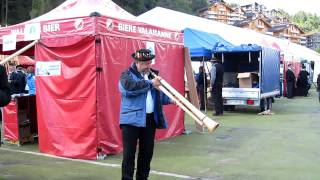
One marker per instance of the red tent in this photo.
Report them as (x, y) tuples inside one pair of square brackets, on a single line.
[(79, 59)]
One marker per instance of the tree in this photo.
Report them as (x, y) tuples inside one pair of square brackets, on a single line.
[(40, 7), (196, 5), (22, 10), (307, 21), (138, 7), (17, 11), (283, 13), (233, 5)]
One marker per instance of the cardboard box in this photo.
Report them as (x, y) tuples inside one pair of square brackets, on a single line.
[(247, 79)]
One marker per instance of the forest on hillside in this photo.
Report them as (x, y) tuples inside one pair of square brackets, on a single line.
[(22, 10)]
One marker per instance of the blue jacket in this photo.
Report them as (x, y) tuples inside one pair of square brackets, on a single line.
[(31, 82), (134, 88)]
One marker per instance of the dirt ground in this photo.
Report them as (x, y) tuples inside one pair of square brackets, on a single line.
[(245, 146)]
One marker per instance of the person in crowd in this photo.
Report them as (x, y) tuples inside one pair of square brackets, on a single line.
[(303, 82), (318, 86), (216, 82), (17, 81), (291, 82), (201, 80), (141, 113), (31, 81), (5, 95)]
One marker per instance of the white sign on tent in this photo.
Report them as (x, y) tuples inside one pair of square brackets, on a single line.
[(50, 68), (9, 42), (32, 31)]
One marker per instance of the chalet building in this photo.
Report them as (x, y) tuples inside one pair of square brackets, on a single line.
[(254, 7), (239, 10), (274, 17), (255, 15), (313, 41), (271, 13), (278, 20), (220, 11), (289, 31), (259, 24)]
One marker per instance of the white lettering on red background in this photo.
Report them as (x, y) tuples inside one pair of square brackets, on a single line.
[(144, 30), (19, 31), (51, 27), (127, 28), (154, 32)]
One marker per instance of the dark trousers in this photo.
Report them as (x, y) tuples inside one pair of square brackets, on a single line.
[(130, 137), (305, 89), (290, 88), (217, 99), (202, 96)]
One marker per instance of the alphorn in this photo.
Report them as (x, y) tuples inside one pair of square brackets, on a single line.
[(183, 103)]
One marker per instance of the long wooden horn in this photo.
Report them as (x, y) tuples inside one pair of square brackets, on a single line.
[(184, 104)]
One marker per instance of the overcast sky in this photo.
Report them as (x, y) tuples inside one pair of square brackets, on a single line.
[(292, 7)]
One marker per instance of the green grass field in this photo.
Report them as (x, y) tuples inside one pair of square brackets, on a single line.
[(245, 146)]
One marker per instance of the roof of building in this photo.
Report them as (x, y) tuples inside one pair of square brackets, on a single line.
[(241, 23), (281, 27), (213, 4)]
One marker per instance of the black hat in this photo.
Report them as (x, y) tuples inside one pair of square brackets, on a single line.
[(143, 55)]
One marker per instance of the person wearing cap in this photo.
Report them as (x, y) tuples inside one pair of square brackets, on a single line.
[(291, 81), (5, 95), (216, 81), (141, 113)]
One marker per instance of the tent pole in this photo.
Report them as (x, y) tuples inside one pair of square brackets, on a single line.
[(206, 105), (249, 57), (222, 59), (204, 87), (18, 52)]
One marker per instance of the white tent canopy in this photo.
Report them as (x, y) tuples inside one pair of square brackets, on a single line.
[(78, 8), (235, 35)]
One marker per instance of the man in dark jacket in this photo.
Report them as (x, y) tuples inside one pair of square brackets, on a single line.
[(303, 82), (5, 96), (141, 113), (202, 87), (291, 81), (216, 82), (17, 81)]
